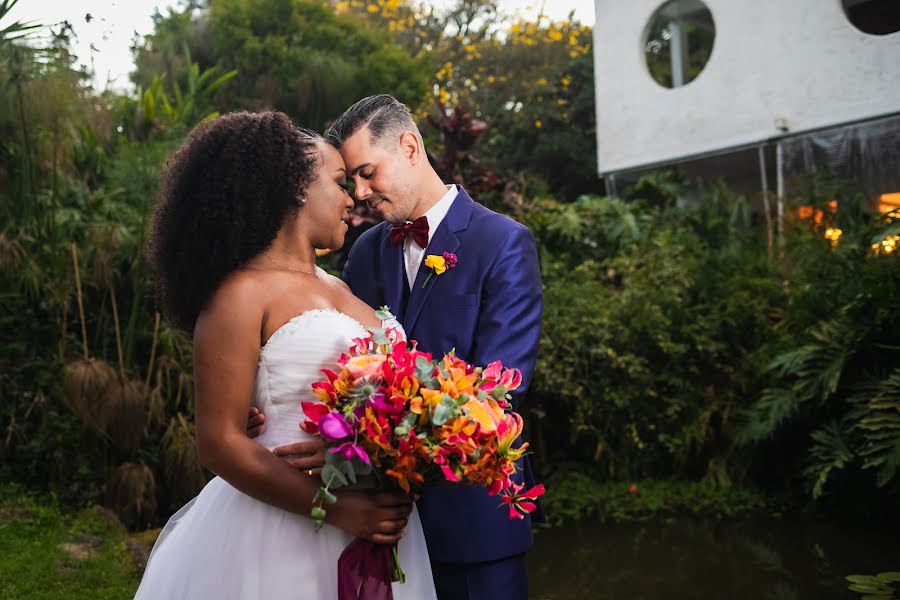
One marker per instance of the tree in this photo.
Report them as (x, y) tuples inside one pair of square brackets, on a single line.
[(298, 56)]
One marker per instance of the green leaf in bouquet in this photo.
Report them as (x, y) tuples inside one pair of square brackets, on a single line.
[(444, 411), (384, 313), (361, 468), (317, 513), (348, 470), (379, 336), (499, 392), (441, 414), (327, 497), (424, 370), (317, 499), (408, 422), (332, 476)]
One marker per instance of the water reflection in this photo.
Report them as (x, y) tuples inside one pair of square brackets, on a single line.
[(787, 559)]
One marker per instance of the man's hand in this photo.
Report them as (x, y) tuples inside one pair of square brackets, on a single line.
[(255, 421), (309, 456), (378, 517)]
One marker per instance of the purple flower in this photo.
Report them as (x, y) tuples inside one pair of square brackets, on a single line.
[(450, 259), (349, 450), (380, 403), (334, 427)]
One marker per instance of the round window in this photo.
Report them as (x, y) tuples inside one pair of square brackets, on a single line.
[(678, 42), (876, 17)]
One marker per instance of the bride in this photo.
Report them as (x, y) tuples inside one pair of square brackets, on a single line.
[(244, 205)]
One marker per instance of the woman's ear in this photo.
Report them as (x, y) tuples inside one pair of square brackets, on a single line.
[(410, 147)]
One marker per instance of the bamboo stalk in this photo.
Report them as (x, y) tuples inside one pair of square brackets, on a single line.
[(153, 348), (115, 310), (80, 302), (65, 327)]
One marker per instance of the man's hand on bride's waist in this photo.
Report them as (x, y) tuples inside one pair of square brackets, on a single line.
[(308, 456)]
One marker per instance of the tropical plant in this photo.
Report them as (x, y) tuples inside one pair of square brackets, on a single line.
[(835, 383)]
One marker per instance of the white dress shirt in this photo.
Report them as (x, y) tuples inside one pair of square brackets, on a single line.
[(412, 254)]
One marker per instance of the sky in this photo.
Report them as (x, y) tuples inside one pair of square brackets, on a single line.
[(103, 41)]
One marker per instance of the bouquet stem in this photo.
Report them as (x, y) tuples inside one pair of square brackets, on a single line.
[(397, 573)]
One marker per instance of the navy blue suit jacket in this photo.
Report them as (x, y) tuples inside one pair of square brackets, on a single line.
[(487, 308)]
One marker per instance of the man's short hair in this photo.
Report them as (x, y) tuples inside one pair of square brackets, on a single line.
[(382, 114)]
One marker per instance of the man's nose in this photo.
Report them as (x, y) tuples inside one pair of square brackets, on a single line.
[(363, 191)]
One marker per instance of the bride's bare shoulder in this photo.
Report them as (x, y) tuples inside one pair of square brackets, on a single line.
[(240, 298), (331, 280)]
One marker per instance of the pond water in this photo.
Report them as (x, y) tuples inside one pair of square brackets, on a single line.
[(783, 559)]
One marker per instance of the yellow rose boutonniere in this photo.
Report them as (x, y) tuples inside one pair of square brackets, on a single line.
[(439, 263)]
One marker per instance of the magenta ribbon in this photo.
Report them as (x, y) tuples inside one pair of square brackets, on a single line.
[(364, 572)]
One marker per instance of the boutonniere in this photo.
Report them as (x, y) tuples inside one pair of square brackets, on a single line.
[(438, 264)]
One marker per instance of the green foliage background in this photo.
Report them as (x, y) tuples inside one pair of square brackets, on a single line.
[(676, 345)]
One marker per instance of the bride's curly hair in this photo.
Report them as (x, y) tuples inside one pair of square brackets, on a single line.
[(224, 196)]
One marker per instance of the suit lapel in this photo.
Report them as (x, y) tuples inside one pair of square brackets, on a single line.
[(444, 240), (394, 275)]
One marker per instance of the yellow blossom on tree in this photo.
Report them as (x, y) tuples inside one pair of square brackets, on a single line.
[(538, 123)]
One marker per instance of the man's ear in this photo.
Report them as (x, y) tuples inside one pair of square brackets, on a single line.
[(410, 147)]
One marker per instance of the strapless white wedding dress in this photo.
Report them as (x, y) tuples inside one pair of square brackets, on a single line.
[(225, 545)]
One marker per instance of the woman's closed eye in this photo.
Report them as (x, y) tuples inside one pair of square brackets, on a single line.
[(347, 185)]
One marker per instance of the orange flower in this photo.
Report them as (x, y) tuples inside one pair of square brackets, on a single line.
[(404, 471)]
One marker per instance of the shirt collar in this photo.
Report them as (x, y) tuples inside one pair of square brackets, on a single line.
[(436, 213)]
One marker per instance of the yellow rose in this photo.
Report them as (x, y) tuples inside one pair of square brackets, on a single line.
[(433, 261)]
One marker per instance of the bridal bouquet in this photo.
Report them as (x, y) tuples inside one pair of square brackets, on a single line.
[(397, 414)]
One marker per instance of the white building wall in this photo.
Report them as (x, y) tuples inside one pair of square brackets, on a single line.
[(799, 60)]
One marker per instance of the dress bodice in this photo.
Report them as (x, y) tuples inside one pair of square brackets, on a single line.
[(292, 360)]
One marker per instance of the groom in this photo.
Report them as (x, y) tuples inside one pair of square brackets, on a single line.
[(487, 308)]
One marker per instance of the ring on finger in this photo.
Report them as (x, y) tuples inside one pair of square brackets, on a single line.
[(309, 472)]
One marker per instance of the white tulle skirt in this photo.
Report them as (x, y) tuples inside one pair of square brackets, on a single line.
[(225, 545)]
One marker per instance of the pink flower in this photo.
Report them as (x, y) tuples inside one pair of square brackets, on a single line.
[(511, 379), (520, 504), (493, 370), (450, 259), (350, 450), (495, 374), (381, 403), (314, 411), (394, 335), (632, 489), (365, 366), (334, 427)]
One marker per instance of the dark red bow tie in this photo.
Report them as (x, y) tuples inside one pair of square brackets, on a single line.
[(418, 229)]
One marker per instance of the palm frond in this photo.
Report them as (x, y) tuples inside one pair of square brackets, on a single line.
[(881, 429), (775, 407), (830, 452)]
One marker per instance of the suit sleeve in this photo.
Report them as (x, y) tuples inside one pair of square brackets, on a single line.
[(509, 324)]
